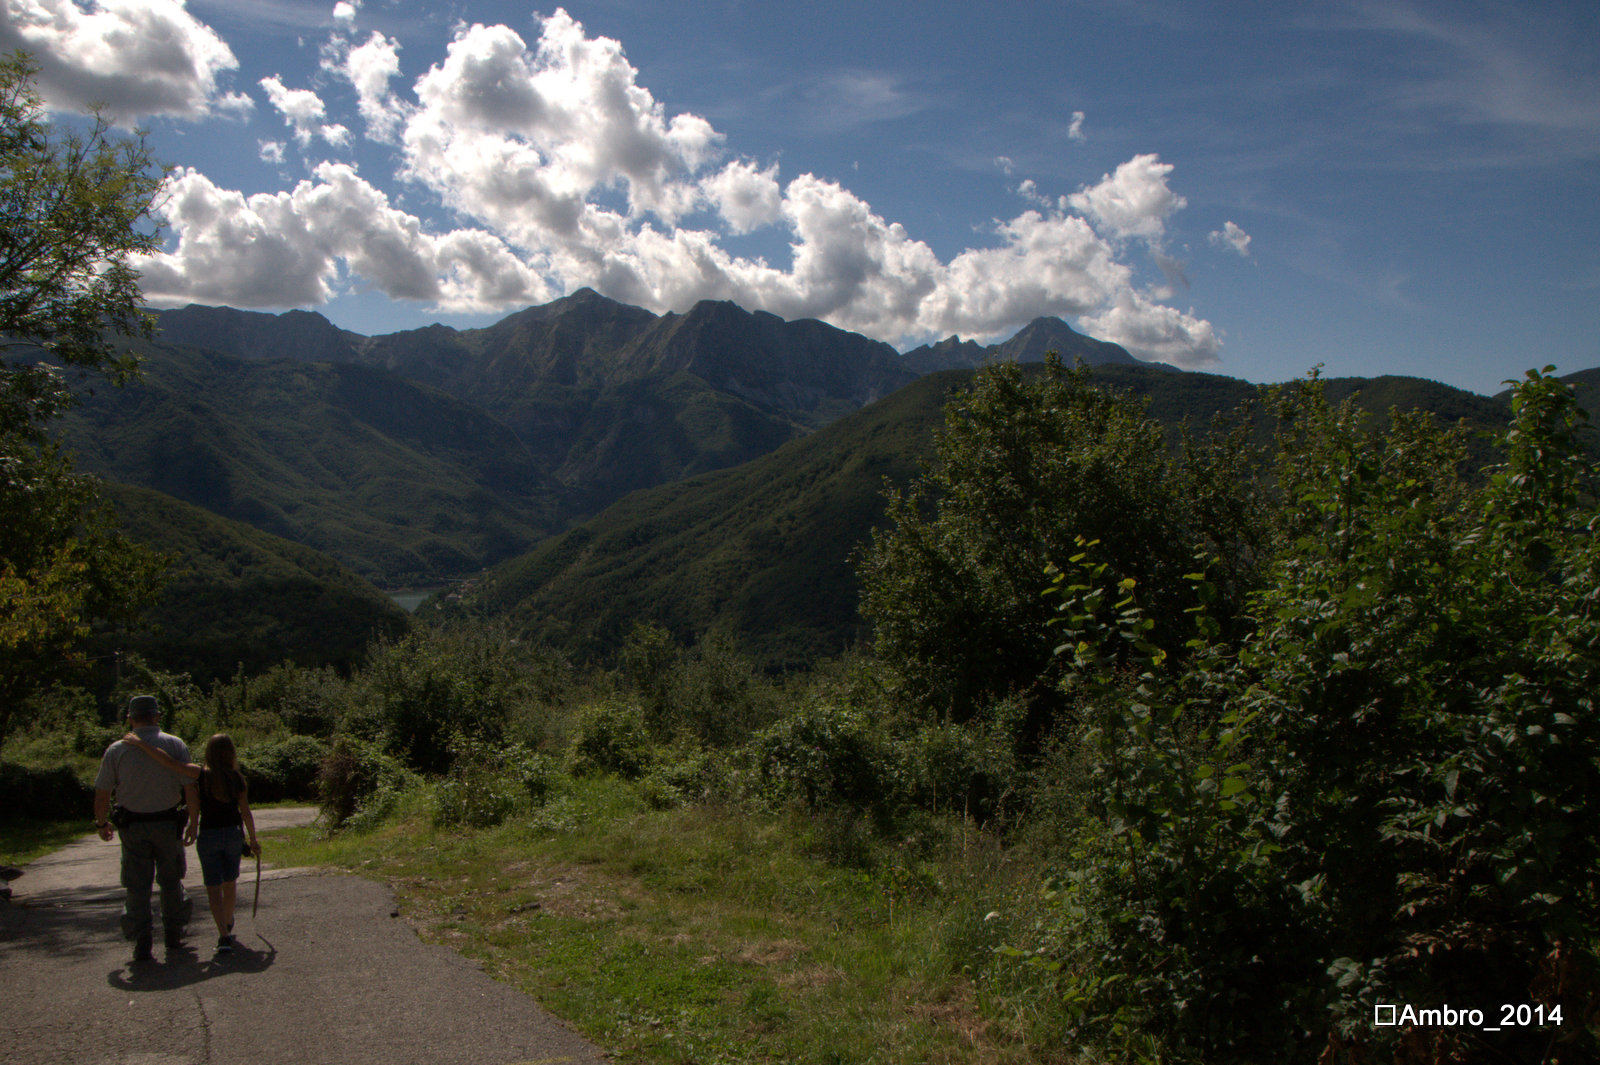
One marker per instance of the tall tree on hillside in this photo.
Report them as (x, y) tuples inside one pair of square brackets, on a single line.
[(1031, 463), (75, 207)]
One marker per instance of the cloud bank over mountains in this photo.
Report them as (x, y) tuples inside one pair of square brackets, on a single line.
[(561, 170)]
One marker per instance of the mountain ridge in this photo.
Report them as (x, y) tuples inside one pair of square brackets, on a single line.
[(1029, 344)]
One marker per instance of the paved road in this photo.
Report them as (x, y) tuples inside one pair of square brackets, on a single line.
[(324, 975)]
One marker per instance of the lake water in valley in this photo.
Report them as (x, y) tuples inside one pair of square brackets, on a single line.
[(411, 598)]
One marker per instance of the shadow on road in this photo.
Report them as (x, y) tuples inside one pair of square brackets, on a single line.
[(184, 967), (83, 925), (63, 928)]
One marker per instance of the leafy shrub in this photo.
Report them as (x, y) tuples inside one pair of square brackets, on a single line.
[(710, 694), (355, 777), (964, 769), (487, 783), (682, 775), (1030, 459), (718, 696), (306, 702), (54, 793), (609, 737), (286, 769), (419, 692), (825, 755)]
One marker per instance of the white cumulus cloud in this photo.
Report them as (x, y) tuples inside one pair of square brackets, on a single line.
[(304, 112), (287, 249), (137, 57), (1156, 331), (501, 129), (370, 68), (565, 171), (1232, 236), (748, 198), (1132, 202)]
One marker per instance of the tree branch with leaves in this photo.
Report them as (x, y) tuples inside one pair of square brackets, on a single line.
[(76, 210)]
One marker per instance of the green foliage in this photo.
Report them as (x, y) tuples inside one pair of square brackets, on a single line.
[(685, 775), (41, 793), (1027, 464), (64, 727), (418, 692), (486, 783), (1379, 793), (301, 701), (357, 782), (709, 694), (66, 573), (185, 709), (969, 770), (73, 211), (824, 755), (285, 769), (610, 736)]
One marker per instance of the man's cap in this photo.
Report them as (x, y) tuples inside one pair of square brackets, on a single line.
[(143, 706)]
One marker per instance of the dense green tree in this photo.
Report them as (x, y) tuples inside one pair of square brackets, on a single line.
[(1029, 462), (418, 693), (74, 210), (1383, 792)]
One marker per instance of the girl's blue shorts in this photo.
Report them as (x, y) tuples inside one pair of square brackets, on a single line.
[(219, 851)]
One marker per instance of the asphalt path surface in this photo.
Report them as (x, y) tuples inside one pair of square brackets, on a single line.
[(325, 974)]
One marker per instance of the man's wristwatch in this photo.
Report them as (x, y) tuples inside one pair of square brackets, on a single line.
[(101, 824)]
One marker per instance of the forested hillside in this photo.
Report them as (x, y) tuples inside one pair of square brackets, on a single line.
[(399, 482), (236, 599), (761, 553)]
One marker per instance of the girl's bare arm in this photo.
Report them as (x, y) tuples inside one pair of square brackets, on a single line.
[(188, 769), (249, 825)]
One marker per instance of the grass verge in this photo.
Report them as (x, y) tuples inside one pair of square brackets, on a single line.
[(703, 934), (24, 839)]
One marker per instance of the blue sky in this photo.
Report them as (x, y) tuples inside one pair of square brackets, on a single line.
[(1247, 188)]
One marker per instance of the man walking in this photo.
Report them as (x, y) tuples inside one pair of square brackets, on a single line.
[(154, 826)]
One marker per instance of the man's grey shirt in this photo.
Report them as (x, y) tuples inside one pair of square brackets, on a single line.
[(137, 781)]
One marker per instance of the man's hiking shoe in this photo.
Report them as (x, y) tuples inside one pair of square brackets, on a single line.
[(142, 951), (225, 945)]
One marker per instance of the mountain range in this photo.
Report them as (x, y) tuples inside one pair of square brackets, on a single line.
[(605, 397), (599, 464), (431, 453)]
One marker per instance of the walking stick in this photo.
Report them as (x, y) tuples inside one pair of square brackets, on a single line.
[(257, 903)]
